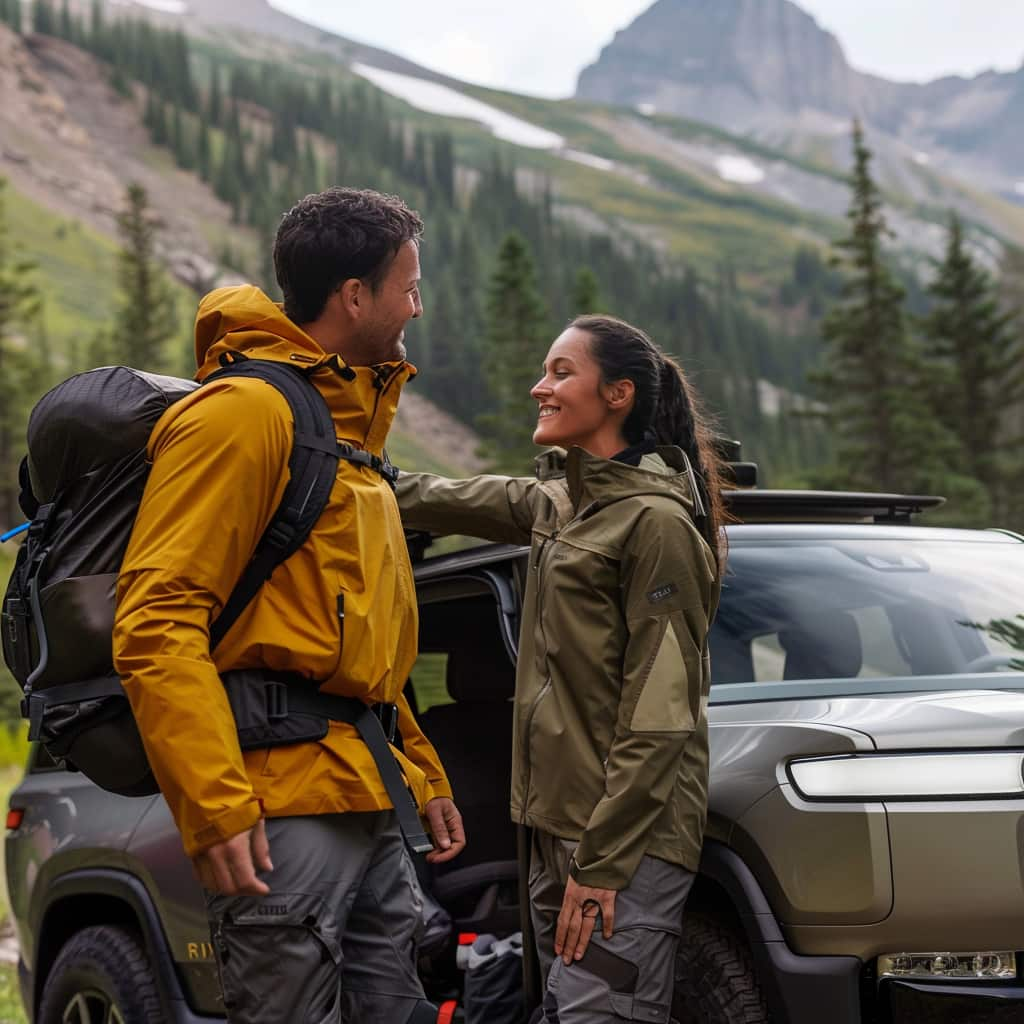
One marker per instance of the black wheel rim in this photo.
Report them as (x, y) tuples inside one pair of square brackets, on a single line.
[(91, 1007)]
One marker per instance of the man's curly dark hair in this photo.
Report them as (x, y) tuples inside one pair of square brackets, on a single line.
[(329, 237)]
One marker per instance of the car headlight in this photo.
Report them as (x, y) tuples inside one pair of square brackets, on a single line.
[(982, 966), (936, 776)]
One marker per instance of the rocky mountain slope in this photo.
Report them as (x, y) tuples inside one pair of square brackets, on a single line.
[(651, 158), (69, 143), (766, 68)]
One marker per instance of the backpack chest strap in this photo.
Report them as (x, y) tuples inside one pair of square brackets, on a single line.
[(359, 457)]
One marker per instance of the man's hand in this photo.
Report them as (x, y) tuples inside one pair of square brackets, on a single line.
[(446, 828), (229, 868), (580, 907)]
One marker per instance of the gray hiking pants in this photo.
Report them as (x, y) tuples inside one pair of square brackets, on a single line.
[(627, 977), (335, 940)]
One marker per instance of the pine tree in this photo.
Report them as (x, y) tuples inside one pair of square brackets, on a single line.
[(443, 154), (515, 343), (20, 305), (215, 101), (977, 345), (145, 317), (453, 359), (586, 292), (159, 130), (204, 160), (44, 19), (309, 171), (180, 144), (874, 382), (97, 27)]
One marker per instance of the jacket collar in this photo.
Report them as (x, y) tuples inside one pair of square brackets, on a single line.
[(363, 399), (591, 479)]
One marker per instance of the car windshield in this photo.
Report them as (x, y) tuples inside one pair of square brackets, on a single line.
[(847, 609)]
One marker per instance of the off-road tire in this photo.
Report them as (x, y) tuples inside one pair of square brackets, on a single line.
[(107, 971), (715, 981)]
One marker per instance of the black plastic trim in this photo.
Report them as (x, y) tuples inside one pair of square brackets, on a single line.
[(799, 989), (987, 992), (123, 886)]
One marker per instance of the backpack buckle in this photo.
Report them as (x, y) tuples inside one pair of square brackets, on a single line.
[(276, 697), (281, 535), (32, 707)]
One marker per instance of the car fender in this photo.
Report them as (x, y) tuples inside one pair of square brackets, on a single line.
[(799, 989), (107, 896)]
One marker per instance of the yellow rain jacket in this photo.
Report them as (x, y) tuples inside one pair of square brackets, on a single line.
[(219, 468)]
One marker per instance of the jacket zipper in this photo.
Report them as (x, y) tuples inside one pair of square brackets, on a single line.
[(528, 721), (381, 382)]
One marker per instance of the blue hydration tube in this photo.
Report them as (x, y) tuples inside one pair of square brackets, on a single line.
[(14, 533)]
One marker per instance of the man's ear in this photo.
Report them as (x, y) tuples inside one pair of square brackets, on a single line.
[(620, 395), (352, 295)]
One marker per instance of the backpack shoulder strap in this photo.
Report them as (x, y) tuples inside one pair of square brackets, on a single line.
[(312, 466)]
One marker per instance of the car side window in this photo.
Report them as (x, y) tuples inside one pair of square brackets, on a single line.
[(860, 642), (850, 608)]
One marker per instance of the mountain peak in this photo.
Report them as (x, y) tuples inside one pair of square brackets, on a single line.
[(747, 58)]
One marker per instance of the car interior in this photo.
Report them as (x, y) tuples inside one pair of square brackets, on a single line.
[(787, 618), (465, 710)]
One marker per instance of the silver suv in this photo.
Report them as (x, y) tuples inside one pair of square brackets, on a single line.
[(866, 831)]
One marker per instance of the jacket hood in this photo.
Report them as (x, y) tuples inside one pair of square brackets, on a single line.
[(244, 319), (593, 479), (362, 399)]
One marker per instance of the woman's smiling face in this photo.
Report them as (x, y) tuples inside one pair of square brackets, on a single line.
[(575, 406)]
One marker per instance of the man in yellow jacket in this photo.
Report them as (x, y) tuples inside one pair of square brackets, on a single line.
[(312, 897)]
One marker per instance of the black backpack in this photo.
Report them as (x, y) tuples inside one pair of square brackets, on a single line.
[(82, 482)]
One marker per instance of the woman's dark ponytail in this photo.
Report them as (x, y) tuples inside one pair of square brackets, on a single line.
[(665, 406), (680, 420)]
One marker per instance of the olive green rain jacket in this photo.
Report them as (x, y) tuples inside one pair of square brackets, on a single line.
[(610, 739)]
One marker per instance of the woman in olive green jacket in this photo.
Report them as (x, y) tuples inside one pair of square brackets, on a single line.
[(610, 751)]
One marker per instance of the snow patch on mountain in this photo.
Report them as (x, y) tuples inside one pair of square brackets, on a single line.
[(163, 6), (435, 98), (739, 169)]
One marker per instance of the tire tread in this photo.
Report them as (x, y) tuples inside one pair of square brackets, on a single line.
[(715, 981), (109, 951)]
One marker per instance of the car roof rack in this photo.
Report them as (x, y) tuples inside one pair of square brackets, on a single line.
[(771, 506)]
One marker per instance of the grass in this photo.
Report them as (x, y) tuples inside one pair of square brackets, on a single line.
[(408, 454), (9, 778), (11, 1011), (76, 266), (76, 270)]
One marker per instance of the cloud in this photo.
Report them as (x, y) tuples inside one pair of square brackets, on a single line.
[(456, 53), (540, 46)]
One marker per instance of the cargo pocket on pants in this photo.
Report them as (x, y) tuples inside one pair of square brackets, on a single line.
[(619, 978), (629, 1008), (279, 958)]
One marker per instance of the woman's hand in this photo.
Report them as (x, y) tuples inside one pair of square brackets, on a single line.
[(580, 907)]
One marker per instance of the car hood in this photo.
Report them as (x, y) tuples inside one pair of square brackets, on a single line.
[(928, 720)]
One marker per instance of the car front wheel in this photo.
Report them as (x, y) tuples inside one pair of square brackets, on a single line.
[(101, 976), (715, 982)]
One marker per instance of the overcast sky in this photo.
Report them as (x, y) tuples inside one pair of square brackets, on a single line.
[(539, 46)]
